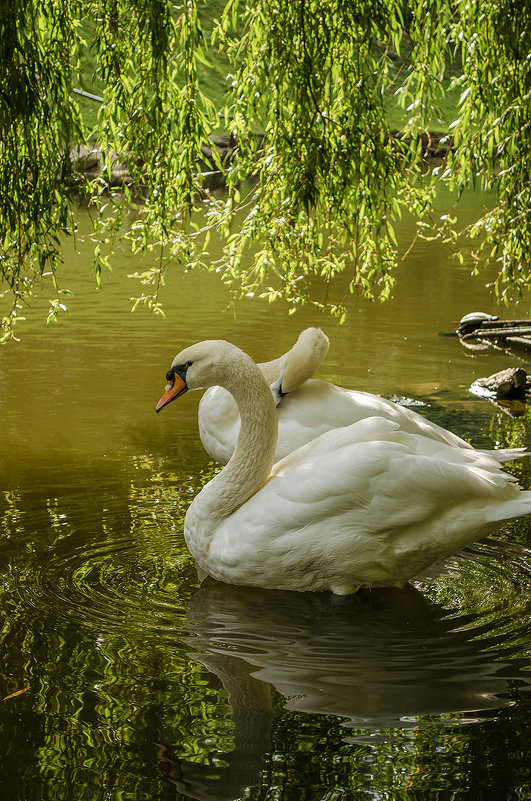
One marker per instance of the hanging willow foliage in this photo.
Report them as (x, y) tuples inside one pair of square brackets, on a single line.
[(329, 178)]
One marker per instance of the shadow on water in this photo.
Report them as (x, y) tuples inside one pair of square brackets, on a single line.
[(379, 660)]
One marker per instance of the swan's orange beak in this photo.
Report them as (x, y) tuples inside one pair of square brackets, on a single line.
[(173, 391)]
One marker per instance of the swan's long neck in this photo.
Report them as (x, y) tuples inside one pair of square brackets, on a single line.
[(253, 456)]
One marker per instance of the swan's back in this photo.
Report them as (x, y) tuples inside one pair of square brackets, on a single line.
[(307, 408), (219, 423), (318, 406)]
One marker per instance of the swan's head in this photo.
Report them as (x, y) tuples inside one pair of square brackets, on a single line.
[(202, 365)]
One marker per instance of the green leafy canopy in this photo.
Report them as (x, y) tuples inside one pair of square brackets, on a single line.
[(319, 193)]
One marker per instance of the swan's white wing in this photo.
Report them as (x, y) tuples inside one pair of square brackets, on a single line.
[(366, 504)]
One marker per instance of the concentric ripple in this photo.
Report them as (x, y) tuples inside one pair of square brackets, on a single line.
[(103, 585), (145, 581)]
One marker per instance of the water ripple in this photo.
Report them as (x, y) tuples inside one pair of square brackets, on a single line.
[(107, 584)]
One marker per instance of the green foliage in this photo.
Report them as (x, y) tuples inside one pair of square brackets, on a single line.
[(493, 130), (329, 180), (37, 124)]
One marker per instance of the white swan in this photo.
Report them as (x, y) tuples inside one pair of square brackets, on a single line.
[(367, 504), (308, 407), (219, 420)]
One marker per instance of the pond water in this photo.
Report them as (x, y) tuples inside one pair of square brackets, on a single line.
[(123, 679)]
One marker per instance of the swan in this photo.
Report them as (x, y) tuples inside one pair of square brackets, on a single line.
[(308, 407), (218, 417), (364, 505)]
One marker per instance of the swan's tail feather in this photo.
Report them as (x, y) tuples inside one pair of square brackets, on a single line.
[(509, 454), (517, 507)]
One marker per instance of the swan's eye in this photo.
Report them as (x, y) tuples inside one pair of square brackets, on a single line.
[(179, 370)]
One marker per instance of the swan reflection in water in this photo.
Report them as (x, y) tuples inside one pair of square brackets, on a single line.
[(377, 659)]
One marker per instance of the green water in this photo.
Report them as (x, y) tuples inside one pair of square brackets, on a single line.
[(133, 682)]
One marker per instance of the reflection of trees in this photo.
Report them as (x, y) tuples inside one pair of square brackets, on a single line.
[(432, 762), (490, 585), (513, 432), (100, 613), (508, 431), (93, 589)]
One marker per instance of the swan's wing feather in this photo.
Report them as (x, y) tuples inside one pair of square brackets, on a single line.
[(376, 474), (310, 410), (317, 406)]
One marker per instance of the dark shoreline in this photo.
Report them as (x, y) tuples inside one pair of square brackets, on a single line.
[(88, 161)]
